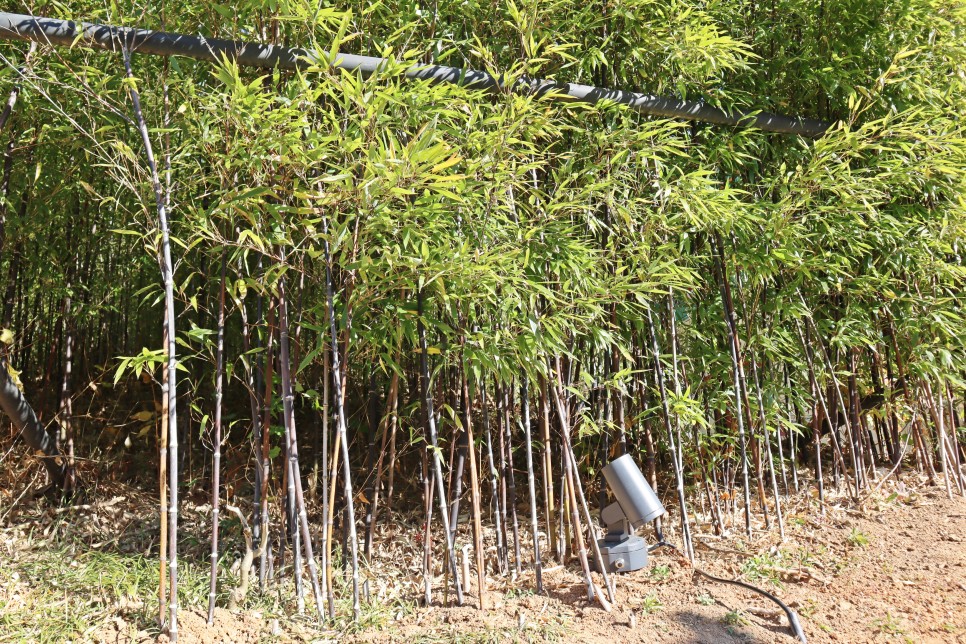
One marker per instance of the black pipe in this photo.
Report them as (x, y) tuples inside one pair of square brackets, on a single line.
[(15, 405), (66, 33), (793, 622)]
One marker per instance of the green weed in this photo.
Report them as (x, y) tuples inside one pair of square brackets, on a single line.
[(651, 604), (858, 538)]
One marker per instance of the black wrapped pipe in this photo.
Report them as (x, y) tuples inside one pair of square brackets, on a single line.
[(66, 33), (15, 405)]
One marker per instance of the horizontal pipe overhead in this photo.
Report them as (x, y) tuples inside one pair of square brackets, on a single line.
[(66, 33)]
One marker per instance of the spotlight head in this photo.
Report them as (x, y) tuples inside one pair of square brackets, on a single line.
[(634, 496), (636, 505)]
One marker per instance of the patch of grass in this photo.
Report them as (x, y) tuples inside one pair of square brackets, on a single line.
[(735, 618), (761, 568), (804, 557), (531, 632), (56, 591), (858, 538), (660, 573), (651, 604), (889, 625), (374, 614), (705, 600), (807, 609), (516, 593)]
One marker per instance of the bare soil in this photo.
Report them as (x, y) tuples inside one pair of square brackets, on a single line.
[(892, 568)]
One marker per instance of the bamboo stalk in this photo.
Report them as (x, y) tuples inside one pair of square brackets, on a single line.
[(525, 411), (678, 473), (434, 444), (290, 468), (340, 414), (394, 424), (216, 442), (504, 403), (388, 419), (728, 311), (168, 276), (474, 494), (771, 465), (494, 484), (163, 488), (547, 461), (678, 453), (265, 461), (293, 453), (254, 385)]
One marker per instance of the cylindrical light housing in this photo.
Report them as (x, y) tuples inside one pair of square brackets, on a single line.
[(636, 498)]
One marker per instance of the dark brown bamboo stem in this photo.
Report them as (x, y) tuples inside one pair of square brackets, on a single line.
[(288, 400), (434, 445)]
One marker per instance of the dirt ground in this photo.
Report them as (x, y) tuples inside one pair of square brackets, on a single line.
[(895, 571), (890, 569)]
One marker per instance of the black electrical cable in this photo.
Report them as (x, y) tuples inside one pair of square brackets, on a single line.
[(793, 622)]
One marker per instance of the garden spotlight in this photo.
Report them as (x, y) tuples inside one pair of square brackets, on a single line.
[(636, 504)]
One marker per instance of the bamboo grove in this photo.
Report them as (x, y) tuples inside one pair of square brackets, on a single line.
[(335, 303)]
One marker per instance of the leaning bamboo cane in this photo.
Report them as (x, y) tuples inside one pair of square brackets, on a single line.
[(595, 546), (592, 590), (327, 501), (571, 473), (329, 507), (823, 405), (428, 485), (168, 276)]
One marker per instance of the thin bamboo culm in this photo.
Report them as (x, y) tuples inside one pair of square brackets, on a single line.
[(216, 442)]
